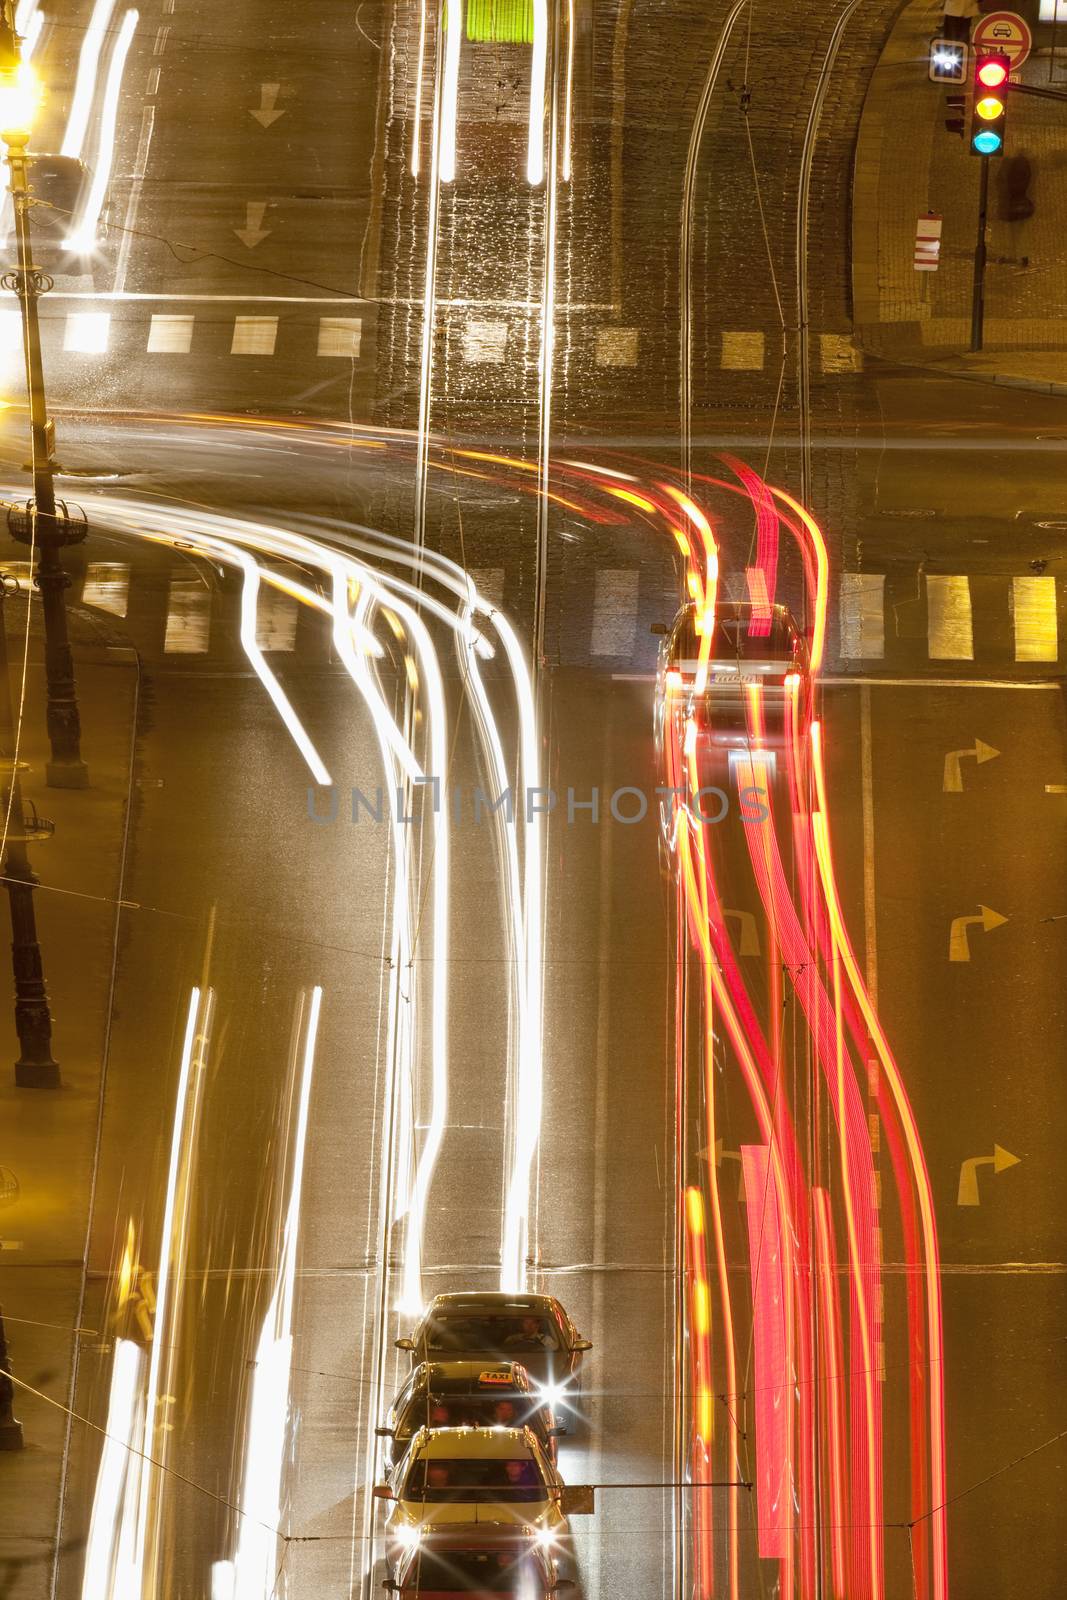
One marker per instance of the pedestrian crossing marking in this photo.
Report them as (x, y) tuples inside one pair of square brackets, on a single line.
[(616, 347), (485, 343), (949, 625), (107, 587), (10, 333), (254, 336), (743, 352), (88, 332), (188, 629), (340, 336), (276, 619), (614, 611), (862, 615), (837, 353), (489, 582), (170, 335), (1033, 608)]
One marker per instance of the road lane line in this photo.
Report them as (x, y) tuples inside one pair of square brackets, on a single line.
[(140, 166)]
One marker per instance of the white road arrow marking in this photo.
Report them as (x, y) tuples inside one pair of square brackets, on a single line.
[(953, 780), (253, 232), (958, 948), (265, 113)]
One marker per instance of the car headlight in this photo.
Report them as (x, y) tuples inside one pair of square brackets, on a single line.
[(407, 1536), (553, 1394), (545, 1538)]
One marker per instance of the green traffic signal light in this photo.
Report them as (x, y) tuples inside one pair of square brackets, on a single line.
[(987, 142)]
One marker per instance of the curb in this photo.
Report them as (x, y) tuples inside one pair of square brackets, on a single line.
[(1004, 380)]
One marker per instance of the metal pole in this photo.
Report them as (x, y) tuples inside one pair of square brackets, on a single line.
[(978, 292), (35, 1068), (49, 529)]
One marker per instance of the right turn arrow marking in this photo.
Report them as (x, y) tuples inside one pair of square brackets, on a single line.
[(958, 948), (1000, 1160), (953, 779)]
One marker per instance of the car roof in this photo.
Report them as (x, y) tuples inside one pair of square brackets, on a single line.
[(443, 1377), (479, 1444), (491, 1301)]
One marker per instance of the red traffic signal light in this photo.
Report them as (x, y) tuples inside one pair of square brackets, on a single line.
[(992, 71)]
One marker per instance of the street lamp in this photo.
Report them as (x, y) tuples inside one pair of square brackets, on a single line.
[(42, 524)]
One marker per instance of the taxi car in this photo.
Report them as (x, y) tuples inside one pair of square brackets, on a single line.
[(467, 1394), (60, 184), (531, 1328), (495, 1477), (477, 1560)]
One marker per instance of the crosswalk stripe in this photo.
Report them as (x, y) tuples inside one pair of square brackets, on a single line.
[(254, 336), (276, 619), (489, 582), (862, 615), (1033, 609), (87, 332), (616, 347), (614, 611), (170, 335), (340, 336), (742, 352), (949, 623), (485, 343), (107, 587), (188, 617)]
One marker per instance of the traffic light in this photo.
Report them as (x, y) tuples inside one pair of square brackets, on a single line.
[(990, 104)]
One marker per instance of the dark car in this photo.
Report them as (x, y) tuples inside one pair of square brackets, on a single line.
[(533, 1329), (750, 645), (467, 1394), (60, 185)]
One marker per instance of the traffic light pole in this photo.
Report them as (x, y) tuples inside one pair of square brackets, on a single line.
[(44, 524), (978, 290)]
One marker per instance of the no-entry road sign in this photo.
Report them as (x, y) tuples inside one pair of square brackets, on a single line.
[(1004, 31)]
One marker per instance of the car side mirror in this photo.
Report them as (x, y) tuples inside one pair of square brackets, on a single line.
[(659, 627), (384, 1433), (561, 1583), (393, 1588), (382, 1491), (582, 1344), (404, 1344), (557, 1432), (578, 1500)]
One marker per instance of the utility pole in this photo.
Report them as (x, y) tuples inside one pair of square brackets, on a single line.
[(35, 1068), (42, 524)]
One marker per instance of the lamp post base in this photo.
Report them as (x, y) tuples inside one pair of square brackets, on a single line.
[(66, 775), (37, 1075)]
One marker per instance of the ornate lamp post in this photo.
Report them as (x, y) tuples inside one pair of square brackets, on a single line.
[(42, 524)]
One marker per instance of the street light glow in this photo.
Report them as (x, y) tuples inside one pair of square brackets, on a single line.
[(20, 96)]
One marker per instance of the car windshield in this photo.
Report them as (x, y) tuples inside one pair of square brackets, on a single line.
[(507, 1480), (503, 1335), (476, 1572), (57, 186), (508, 1410)]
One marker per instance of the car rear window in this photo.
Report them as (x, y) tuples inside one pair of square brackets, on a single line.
[(438, 1480), (506, 1336)]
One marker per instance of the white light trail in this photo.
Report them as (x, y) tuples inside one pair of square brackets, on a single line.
[(118, 1462), (565, 162), (28, 24), (81, 104), (535, 146), (84, 233), (416, 135), (450, 89), (253, 1572), (142, 1576)]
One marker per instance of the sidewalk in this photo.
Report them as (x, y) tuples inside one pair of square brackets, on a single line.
[(908, 166), (48, 1137)]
